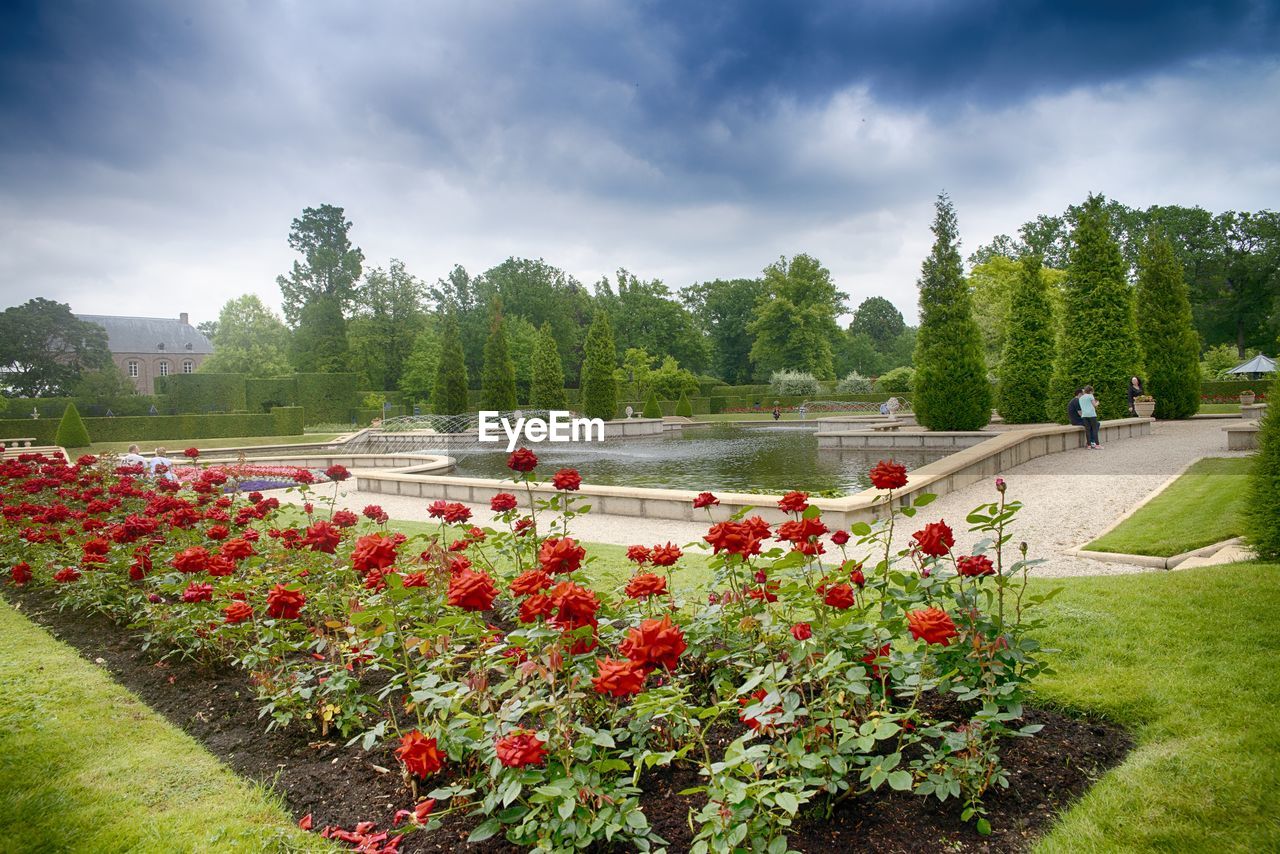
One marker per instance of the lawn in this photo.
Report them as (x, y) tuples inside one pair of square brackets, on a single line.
[(177, 445), (1218, 408), (767, 415), (86, 766), (1200, 508)]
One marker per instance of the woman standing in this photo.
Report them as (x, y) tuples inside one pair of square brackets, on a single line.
[(1089, 415), (1135, 389)]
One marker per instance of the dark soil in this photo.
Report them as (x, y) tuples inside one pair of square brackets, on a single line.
[(342, 786)]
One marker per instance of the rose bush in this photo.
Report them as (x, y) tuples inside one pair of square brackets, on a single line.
[(515, 691)]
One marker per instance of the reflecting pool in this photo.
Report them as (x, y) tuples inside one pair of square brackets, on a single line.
[(724, 457)]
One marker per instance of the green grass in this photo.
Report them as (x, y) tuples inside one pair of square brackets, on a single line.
[(86, 766), (1200, 508), (767, 415), (176, 446), (1219, 408), (1187, 660)]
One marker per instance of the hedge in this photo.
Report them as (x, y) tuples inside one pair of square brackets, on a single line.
[(327, 398), (281, 421), (1234, 387), (42, 430), (262, 393), (18, 408), (204, 392)]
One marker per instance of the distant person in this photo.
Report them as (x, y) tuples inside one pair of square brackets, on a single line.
[(133, 457), (1089, 414), (1135, 389), (161, 465), (777, 413), (1073, 409)]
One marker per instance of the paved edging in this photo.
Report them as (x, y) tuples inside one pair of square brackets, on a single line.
[(1155, 561)]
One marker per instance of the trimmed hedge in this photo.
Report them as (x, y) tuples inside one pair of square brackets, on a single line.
[(19, 408), (281, 421), (1234, 387), (262, 393), (71, 430), (43, 430), (204, 392), (327, 398)]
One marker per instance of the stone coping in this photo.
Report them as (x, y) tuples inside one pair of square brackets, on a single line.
[(402, 463)]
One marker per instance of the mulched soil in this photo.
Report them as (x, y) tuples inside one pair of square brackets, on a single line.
[(341, 786)]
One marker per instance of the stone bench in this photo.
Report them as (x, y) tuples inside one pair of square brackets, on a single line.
[(1242, 437), (881, 428)]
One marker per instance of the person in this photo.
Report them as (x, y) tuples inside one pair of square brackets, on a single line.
[(1135, 389), (133, 457), (1073, 409), (1089, 415), (161, 465), (777, 413)]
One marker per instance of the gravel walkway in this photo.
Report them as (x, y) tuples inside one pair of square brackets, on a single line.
[(1070, 498)]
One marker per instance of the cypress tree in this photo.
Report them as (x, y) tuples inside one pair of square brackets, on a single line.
[(449, 397), (684, 407), (599, 388), (71, 430), (950, 390), (1167, 337), (547, 387), (1026, 363), (1262, 516), (652, 409), (499, 378), (1099, 341)]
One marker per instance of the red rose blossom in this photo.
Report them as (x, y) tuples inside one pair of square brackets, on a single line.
[(567, 480), (644, 585), (375, 513), (66, 574), (472, 591), (323, 536), (285, 604), (839, 596), (419, 754), (236, 549), (197, 593), (193, 453), (373, 551), (705, 499), (935, 539), (531, 581), (931, 625), (502, 502), (237, 612), (888, 475), (345, 519), (666, 555), (619, 678), (794, 502), (972, 566), (561, 554), (639, 554), (193, 559), (802, 631), (840, 537), (337, 473), (20, 573), (655, 643), (520, 749), (522, 460)]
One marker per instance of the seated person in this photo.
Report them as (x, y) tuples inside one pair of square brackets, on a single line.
[(133, 457), (161, 465)]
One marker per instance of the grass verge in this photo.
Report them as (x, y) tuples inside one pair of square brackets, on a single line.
[(1218, 408), (86, 766), (1200, 508)]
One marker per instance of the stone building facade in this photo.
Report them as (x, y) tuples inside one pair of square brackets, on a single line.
[(148, 347)]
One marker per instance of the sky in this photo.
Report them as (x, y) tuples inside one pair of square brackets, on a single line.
[(154, 153)]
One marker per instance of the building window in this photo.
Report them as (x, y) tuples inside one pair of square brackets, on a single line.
[(164, 369), (188, 366), (160, 346), (133, 368)]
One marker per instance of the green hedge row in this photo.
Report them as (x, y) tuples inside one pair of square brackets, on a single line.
[(1213, 387), (52, 407), (204, 392), (281, 421)]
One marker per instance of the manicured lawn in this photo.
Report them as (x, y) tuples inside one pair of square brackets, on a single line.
[(767, 415), (1200, 508), (86, 766), (177, 445), (1219, 408), (1187, 660)]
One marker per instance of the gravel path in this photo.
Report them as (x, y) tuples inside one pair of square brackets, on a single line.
[(1070, 498)]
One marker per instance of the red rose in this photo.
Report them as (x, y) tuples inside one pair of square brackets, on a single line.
[(567, 479), (345, 519), (220, 566), (436, 509), (193, 453), (20, 573), (66, 574), (801, 530), (666, 555), (285, 604), (536, 607), (888, 475), (931, 625), (576, 606), (870, 660), (840, 537), (705, 499), (502, 502), (521, 748), (619, 678), (639, 554), (855, 572), (374, 513), (419, 755), (337, 473), (530, 581), (522, 460), (755, 698), (472, 591), (839, 596), (415, 579), (655, 643), (646, 584), (236, 549), (373, 551), (197, 593), (802, 631), (522, 526), (304, 476), (456, 513), (323, 537), (735, 538), (767, 592), (193, 559), (794, 502), (561, 554), (218, 532), (237, 612), (972, 566), (934, 539)]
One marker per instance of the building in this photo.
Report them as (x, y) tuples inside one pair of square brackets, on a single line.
[(148, 347)]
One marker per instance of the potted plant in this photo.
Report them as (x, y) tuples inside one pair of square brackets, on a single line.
[(1144, 405), (1246, 397)]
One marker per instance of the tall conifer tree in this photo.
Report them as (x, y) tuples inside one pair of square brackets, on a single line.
[(599, 388), (547, 386), (499, 378), (1026, 363), (449, 397), (1166, 333)]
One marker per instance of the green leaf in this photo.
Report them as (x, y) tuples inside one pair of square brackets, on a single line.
[(787, 801), (900, 780), (984, 827), (486, 829), (924, 499), (908, 511), (860, 529)]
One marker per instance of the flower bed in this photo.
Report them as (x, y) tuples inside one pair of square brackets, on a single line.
[(514, 694)]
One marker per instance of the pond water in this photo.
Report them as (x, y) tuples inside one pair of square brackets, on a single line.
[(724, 457)]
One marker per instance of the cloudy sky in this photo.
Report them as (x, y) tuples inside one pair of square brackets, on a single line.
[(153, 154)]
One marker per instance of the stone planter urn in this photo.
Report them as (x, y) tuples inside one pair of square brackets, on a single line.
[(1144, 408), (1246, 398)]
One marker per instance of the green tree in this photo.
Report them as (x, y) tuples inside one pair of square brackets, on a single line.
[(419, 376), (44, 348), (1026, 366), (248, 339), (684, 406), (499, 380), (1262, 517), (670, 380), (725, 308), (389, 314), (879, 320), (1099, 344), (105, 388), (523, 338), (330, 265), (796, 321), (950, 389), (599, 389), (449, 396), (1168, 340), (542, 293), (991, 287), (459, 294), (645, 316), (71, 430), (319, 343), (636, 373), (547, 390), (652, 409), (857, 352)]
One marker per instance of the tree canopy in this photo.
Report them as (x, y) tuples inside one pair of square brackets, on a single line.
[(795, 321), (44, 348), (248, 339)]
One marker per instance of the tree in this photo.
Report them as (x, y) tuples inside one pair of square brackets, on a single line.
[(449, 397), (105, 388), (725, 308), (499, 379), (684, 406), (599, 389), (1099, 346), (991, 287), (950, 388), (796, 321), (1262, 513), (420, 369), (542, 293), (248, 339), (879, 320), (644, 316), (44, 348), (636, 373), (330, 265), (1168, 340), (856, 352), (652, 409), (459, 295), (319, 344), (670, 380), (523, 338), (71, 430), (1026, 365), (547, 389), (388, 316)]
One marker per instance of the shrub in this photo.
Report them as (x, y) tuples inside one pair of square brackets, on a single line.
[(71, 430), (1166, 334), (599, 359), (1262, 520), (898, 381), (652, 409), (854, 383), (449, 397), (327, 397), (950, 389), (1026, 364), (263, 393), (793, 382), (684, 407), (546, 388), (204, 392)]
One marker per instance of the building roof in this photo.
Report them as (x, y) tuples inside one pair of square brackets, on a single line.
[(146, 334), (1256, 365)]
